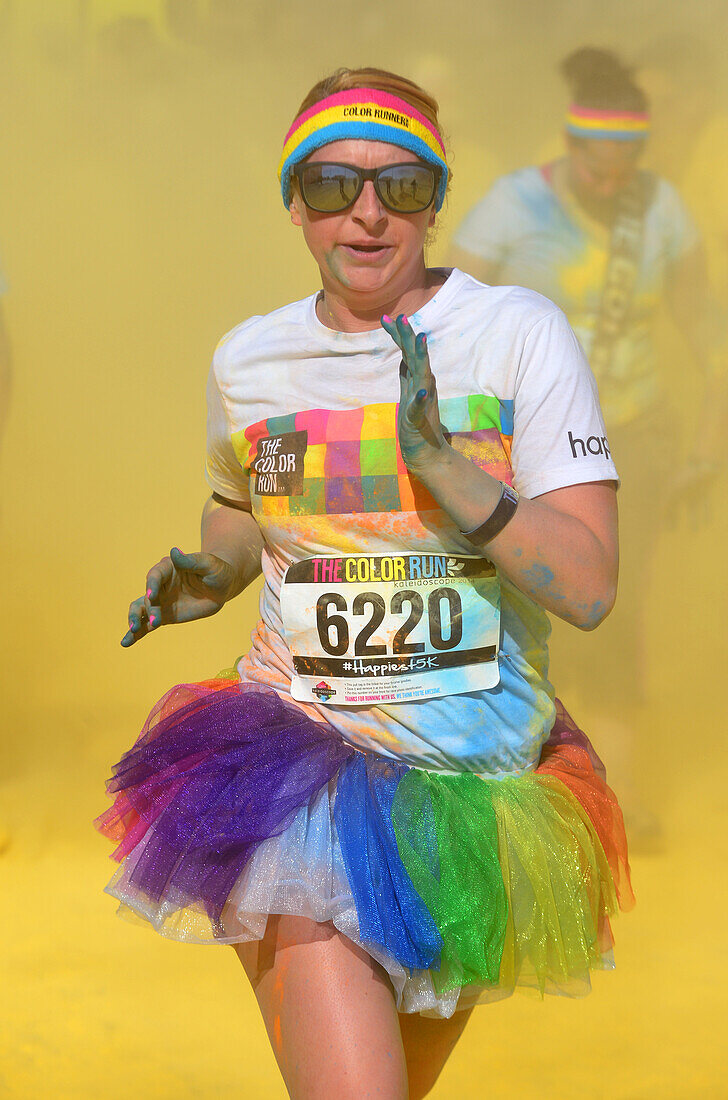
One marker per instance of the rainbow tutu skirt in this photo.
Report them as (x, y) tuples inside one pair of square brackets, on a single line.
[(234, 804)]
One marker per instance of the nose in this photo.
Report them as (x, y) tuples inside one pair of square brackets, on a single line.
[(609, 188), (610, 185), (368, 211)]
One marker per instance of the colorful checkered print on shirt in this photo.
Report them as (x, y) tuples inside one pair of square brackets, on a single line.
[(353, 462)]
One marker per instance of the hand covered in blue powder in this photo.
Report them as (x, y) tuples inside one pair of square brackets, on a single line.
[(419, 430), (179, 588)]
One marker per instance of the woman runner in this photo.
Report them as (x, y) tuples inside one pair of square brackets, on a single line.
[(611, 244), (381, 806)]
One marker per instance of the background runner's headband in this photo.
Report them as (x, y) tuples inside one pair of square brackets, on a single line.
[(588, 122), (369, 115)]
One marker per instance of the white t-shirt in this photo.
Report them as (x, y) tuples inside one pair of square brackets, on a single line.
[(516, 397)]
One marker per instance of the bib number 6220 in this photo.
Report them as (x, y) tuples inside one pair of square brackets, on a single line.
[(333, 627)]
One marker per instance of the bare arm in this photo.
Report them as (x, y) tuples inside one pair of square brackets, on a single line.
[(560, 548), (183, 587), (229, 531)]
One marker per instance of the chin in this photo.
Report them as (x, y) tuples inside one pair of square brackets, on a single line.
[(363, 280)]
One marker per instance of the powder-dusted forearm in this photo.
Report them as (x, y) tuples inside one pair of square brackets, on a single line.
[(233, 535), (560, 549)]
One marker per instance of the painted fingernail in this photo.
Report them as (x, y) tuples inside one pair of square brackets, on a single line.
[(152, 620), (421, 395), (386, 319), (404, 318), (149, 593)]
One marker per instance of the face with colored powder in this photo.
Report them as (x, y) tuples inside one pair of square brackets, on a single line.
[(366, 252), (600, 169)]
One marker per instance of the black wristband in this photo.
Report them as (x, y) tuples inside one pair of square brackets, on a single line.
[(503, 512)]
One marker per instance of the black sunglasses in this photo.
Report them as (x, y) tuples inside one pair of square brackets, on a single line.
[(403, 188)]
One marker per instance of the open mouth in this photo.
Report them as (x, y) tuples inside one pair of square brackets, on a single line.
[(366, 251)]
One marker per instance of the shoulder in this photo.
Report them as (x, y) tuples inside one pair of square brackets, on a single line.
[(666, 199), (523, 179), (669, 219), (517, 187), (516, 306), (258, 338), (514, 203), (512, 206)]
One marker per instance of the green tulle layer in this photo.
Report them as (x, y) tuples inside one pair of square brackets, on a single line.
[(513, 873)]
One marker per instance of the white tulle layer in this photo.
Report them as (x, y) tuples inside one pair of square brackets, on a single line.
[(302, 873)]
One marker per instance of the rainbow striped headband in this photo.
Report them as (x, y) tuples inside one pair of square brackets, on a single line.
[(589, 122), (369, 115)]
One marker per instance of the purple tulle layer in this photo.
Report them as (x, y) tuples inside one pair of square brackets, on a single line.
[(214, 789)]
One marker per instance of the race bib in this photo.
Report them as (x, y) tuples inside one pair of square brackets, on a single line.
[(364, 630)]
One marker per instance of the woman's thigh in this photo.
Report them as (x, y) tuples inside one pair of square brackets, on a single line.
[(329, 1012), (428, 1043)]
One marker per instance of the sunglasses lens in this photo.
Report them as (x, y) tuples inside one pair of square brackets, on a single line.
[(328, 187), (407, 187)]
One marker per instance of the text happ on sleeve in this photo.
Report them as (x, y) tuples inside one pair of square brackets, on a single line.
[(559, 435)]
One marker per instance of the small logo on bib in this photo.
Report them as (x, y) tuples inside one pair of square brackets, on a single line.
[(323, 691), (454, 567), (278, 464)]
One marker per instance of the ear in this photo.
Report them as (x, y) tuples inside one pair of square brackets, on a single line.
[(293, 206)]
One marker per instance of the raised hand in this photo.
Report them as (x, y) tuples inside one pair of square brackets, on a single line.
[(419, 429), (180, 588)]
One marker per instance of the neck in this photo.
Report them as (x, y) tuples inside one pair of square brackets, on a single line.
[(602, 210), (346, 310)]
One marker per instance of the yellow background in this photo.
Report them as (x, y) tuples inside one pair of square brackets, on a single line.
[(139, 220)]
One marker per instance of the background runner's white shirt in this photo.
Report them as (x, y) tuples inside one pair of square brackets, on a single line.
[(537, 239), (302, 423)]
